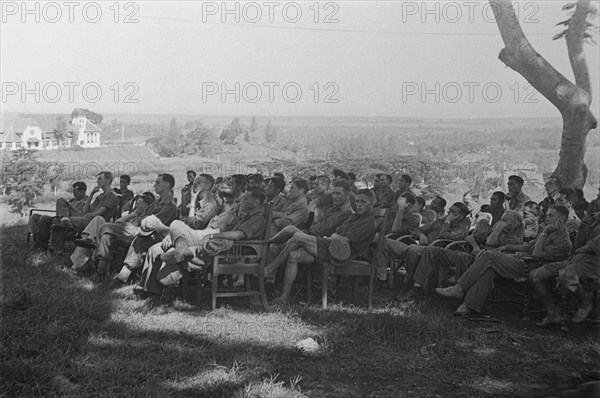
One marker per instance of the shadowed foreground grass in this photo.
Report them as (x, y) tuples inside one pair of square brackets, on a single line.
[(64, 336)]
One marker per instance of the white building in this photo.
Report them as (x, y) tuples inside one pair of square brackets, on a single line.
[(38, 132)]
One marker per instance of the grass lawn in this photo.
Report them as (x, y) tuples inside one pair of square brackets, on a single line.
[(64, 336)]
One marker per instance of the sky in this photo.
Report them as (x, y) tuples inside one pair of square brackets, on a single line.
[(339, 58)]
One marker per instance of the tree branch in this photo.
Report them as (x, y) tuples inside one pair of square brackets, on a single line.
[(575, 38)]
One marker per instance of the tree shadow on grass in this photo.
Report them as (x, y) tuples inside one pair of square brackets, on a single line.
[(63, 335)]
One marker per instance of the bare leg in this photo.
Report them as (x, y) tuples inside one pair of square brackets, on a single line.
[(291, 271)]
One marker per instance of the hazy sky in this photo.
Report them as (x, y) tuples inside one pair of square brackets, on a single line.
[(372, 58)]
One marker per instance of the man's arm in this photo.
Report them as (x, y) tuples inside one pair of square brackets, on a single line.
[(454, 232), (296, 217)]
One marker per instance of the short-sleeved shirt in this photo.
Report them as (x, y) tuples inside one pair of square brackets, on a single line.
[(223, 219), (517, 202), (109, 200), (360, 230), (252, 225), (455, 230), (164, 209), (331, 219), (278, 202), (78, 204), (556, 244), (385, 197), (126, 199), (296, 214)]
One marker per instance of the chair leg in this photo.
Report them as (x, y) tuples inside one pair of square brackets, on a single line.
[(526, 301), (355, 281), (371, 286), (392, 265), (309, 277), (263, 292), (215, 282), (325, 277)]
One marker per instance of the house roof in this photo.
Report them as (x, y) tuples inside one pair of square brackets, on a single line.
[(33, 139), (91, 127), (46, 121), (9, 136)]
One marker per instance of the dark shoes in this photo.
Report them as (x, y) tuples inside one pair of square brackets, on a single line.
[(86, 243)]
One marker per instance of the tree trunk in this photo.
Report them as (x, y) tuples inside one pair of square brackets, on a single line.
[(572, 100)]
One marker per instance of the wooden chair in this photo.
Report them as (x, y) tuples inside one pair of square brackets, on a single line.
[(38, 211), (524, 289), (246, 258), (354, 268)]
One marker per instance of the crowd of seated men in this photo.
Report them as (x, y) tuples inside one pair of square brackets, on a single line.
[(328, 218)]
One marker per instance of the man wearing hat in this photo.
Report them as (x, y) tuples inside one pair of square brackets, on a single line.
[(349, 240), (40, 225), (153, 223)]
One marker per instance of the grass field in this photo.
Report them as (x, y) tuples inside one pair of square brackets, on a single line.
[(64, 336)]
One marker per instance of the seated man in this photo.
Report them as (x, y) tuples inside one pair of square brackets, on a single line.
[(40, 225), (106, 205), (531, 220), (385, 196), (515, 198), (123, 232), (566, 197), (316, 195), (90, 237), (205, 205), (273, 190), (552, 186), (495, 210), (496, 206), (581, 267), (166, 269), (126, 197), (154, 224), (356, 233), (427, 216), (294, 211), (186, 195), (594, 207), (404, 184), (478, 280), (507, 231), (454, 226), (352, 181)]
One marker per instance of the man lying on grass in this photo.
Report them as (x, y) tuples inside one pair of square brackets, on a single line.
[(166, 269), (478, 280), (351, 239)]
